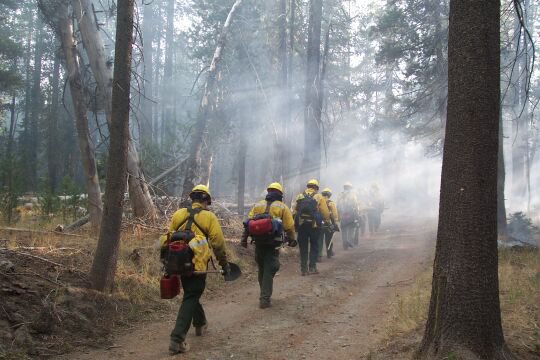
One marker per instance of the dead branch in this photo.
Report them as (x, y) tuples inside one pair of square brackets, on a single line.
[(32, 256), (40, 231), (397, 283), (32, 273)]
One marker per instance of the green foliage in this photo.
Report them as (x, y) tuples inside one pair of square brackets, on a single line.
[(8, 203), (521, 227), (71, 201), (413, 43), (10, 50), (49, 202)]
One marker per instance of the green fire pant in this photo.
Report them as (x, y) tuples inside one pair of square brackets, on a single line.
[(267, 258), (308, 241), (324, 242), (191, 309)]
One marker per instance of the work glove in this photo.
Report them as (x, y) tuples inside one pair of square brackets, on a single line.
[(226, 269), (336, 228), (292, 243)]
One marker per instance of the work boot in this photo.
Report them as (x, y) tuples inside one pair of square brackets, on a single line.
[(201, 330), (304, 273), (264, 304), (330, 254), (178, 347), (313, 270)]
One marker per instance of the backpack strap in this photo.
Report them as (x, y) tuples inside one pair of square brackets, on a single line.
[(190, 220), (267, 210)]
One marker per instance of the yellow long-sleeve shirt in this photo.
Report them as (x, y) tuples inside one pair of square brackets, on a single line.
[(333, 211)]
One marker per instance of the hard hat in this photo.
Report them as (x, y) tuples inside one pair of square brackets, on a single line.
[(313, 182), (201, 188), (327, 191), (347, 184), (275, 186)]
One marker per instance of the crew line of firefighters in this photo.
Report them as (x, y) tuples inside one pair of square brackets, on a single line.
[(195, 233)]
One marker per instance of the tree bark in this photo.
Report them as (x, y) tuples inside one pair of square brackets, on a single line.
[(32, 137), (104, 264), (139, 195), (52, 129), (167, 96), (242, 152), (502, 228), (147, 106), (520, 128), (281, 106), (464, 315), (191, 166), (311, 162), (64, 29)]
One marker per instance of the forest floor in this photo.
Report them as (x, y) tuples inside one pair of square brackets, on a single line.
[(367, 303), (339, 314)]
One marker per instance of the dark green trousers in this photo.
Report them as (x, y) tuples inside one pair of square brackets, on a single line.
[(324, 242), (191, 309), (308, 241), (267, 258)]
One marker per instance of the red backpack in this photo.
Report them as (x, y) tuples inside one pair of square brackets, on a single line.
[(261, 224)]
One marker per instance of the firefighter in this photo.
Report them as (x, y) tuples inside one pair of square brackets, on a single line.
[(375, 210), (349, 214), (328, 229), (206, 227), (310, 210), (267, 246)]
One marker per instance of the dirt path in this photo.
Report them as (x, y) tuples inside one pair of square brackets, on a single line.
[(338, 314)]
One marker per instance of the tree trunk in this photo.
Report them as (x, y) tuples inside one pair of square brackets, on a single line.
[(464, 315), (167, 96), (32, 138), (52, 129), (64, 29), (147, 106), (311, 163), (501, 179), (242, 152), (190, 167), (520, 128), (104, 264), (139, 195), (8, 160), (281, 106)]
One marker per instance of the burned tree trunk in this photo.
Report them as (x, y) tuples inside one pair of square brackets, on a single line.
[(464, 315), (60, 21), (311, 162), (105, 258), (139, 195), (191, 166)]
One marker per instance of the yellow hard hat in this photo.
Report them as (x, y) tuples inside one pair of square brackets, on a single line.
[(313, 182), (275, 186), (201, 188), (327, 191)]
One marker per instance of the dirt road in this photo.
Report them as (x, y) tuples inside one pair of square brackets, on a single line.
[(338, 314)]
